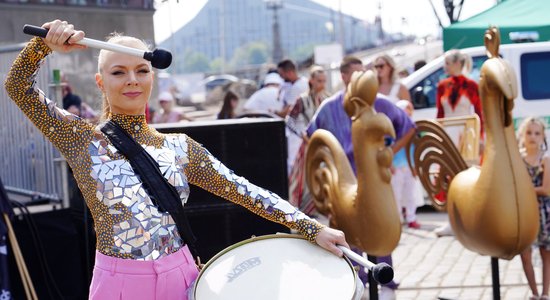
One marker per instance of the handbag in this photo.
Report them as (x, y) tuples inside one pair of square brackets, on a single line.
[(163, 195)]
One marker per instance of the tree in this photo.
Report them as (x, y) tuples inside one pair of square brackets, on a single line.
[(453, 8), (303, 52), (254, 53), (195, 62), (216, 65)]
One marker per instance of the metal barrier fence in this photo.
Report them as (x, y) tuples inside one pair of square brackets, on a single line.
[(29, 163)]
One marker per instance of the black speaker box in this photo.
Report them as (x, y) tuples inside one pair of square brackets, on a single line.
[(53, 251), (253, 148)]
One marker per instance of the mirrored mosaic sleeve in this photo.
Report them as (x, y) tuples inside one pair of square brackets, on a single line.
[(207, 172), (65, 130)]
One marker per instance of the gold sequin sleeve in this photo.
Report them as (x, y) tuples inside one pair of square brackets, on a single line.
[(66, 131), (205, 171)]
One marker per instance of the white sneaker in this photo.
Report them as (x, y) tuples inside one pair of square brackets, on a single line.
[(445, 230), (385, 293)]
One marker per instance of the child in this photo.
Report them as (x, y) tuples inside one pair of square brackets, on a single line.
[(532, 144), (405, 187)]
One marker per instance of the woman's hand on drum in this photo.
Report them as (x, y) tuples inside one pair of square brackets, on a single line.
[(62, 37), (328, 238)]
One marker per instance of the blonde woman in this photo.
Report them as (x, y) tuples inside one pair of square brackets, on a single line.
[(458, 95), (388, 82), (297, 121), (140, 254)]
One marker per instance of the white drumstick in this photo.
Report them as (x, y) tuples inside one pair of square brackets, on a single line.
[(382, 272), (159, 58)]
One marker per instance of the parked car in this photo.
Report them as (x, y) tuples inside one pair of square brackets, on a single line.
[(531, 61), (211, 82)]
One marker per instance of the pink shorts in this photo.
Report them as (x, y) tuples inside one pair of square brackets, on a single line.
[(167, 278)]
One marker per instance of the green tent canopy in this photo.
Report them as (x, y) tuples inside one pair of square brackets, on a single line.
[(526, 18)]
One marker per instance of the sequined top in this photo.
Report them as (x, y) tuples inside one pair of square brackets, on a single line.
[(127, 224)]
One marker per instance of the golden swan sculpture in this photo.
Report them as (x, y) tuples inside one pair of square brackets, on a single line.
[(492, 209), (366, 212)]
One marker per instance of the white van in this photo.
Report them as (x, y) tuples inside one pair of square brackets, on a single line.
[(531, 61)]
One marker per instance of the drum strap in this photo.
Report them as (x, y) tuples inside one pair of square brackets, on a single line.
[(163, 195)]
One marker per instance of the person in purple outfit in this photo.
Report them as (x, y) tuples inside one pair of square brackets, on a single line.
[(331, 116)]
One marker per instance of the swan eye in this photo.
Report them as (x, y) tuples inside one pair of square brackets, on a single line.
[(388, 141)]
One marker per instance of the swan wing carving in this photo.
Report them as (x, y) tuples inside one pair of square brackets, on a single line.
[(363, 206), (435, 159)]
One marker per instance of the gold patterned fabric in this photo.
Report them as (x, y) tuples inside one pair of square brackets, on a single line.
[(127, 223)]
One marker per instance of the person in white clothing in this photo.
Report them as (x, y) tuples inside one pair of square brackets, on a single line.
[(294, 85), (266, 99), (388, 82)]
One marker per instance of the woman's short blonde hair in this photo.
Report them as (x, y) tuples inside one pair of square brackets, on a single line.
[(464, 59), (120, 39), (315, 70)]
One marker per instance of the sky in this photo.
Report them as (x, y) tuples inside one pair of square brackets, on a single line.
[(407, 16)]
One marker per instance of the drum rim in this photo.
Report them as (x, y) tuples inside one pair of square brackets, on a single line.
[(259, 238)]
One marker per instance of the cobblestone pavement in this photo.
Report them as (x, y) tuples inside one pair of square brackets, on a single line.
[(429, 267)]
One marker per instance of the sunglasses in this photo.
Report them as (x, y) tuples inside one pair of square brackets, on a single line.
[(380, 66)]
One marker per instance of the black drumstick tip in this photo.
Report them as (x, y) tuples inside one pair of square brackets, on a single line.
[(382, 273), (159, 58)]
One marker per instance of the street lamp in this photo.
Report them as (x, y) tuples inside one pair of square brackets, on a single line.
[(277, 48), (354, 23), (330, 28)]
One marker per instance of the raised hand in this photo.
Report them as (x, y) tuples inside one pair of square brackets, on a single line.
[(62, 37)]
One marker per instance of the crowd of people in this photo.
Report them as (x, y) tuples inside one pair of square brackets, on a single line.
[(303, 102), (457, 95)]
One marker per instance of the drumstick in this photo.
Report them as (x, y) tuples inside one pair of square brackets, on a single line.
[(159, 58), (381, 272)]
